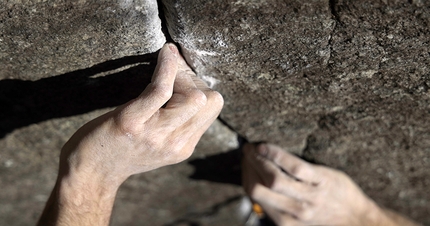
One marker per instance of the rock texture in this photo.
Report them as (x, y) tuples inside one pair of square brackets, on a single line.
[(41, 39), (344, 83)]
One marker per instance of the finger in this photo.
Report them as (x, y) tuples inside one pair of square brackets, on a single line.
[(279, 202), (250, 177), (200, 83), (161, 88), (191, 132), (187, 135), (293, 165), (201, 121), (250, 180), (281, 218), (166, 62), (279, 207), (186, 101), (275, 179), (156, 94)]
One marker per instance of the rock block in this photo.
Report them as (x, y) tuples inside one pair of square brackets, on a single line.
[(41, 39), (256, 54), (344, 83)]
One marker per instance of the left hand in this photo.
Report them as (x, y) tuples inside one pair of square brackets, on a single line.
[(294, 192)]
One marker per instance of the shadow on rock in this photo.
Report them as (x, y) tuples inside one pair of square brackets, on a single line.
[(108, 84), (221, 168)]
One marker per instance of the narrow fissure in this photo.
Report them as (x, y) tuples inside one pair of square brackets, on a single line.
[(332, 5), (162, 15)]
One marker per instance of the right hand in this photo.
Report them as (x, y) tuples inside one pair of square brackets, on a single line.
[(160, 127)]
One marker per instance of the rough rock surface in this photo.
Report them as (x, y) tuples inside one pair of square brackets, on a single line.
[(41, 39), (345, 83)]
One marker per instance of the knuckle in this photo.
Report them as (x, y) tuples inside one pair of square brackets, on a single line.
[(127, 126), (296, 170), (198, 97), (276, 183), (303, 213), (216, 98), (277, 156), (178, 150), (125, 123)]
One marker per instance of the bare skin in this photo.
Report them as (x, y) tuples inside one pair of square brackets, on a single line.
[(294, 192), (158, 128)]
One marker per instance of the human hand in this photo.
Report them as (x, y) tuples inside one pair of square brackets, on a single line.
[(158, 128), (294, 192)]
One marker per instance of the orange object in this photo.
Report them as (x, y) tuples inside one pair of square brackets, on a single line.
[(258, 210)]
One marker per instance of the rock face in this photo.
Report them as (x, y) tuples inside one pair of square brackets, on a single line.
[(45, 38), (259, 52), (344, 83)]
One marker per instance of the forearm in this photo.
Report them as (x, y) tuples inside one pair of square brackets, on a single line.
[(386, 217), (398, 219), (79, 201)]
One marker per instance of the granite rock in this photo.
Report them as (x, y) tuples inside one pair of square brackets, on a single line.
[(343, 83), (41, 39), (255, 53)]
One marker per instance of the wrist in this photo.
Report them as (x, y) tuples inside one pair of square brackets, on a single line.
[(77, 167), (76, 186), (82, 201), (376, 216)]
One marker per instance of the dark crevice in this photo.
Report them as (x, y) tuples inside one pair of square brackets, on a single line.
[(164, 29), (332, 4), (241, 138), (336, 18), (224, 168)]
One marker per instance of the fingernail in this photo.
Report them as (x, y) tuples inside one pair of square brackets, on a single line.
[(173, 49)]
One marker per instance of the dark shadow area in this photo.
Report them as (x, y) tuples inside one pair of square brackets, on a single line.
[(221, 168), (27, 102)]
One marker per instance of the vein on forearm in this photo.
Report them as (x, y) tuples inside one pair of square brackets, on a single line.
[(83, 203)]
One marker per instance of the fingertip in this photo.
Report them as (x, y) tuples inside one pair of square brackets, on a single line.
[(168, 51), (173, 49), (167, 65)]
